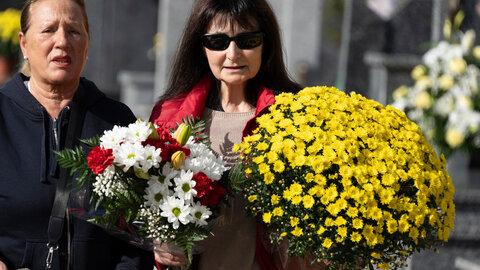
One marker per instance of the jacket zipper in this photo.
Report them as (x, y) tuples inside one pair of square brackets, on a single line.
[(67, 217)]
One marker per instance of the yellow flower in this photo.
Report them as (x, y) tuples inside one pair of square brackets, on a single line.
[(476, 52), (352, 212), (357, 223), (384, 266), (446, 81), (329, 222), (294, 221), (423, 100), (252, 198), (321, 230), (423, 83), (333, 209), (267, 217), (263, 168), (258, 159), (392, 226), (308, 201), (356, 237), (296, 189), (418, 71), (296, 200), (278, 166), (278, 211), (297, 231), (236, 148), (327, 243), (376, 255), (454, 138), (275, 199), (403, 224), (268, 178), (400, 92), (457, 65)]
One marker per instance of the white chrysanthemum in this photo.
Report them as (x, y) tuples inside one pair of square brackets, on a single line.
[(157, 191), (111, 139), (175, 210), (153, 158), (444, 105), (129, 155), (169, 173), (106, 185), (184, 186), (467, 41), (200, 214), (202, 159), (138, 132)]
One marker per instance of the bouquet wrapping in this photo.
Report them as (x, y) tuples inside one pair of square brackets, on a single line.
[(345, 179), (445, 100), (146, 183)]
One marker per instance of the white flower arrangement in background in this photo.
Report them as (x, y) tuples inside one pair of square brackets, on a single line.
[(445, 100)]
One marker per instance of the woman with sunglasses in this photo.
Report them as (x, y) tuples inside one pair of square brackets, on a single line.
[(228, 68)]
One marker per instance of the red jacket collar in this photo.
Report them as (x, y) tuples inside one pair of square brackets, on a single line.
[(172, 111)]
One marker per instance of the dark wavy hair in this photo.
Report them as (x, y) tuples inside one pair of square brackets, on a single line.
[(191, 64)]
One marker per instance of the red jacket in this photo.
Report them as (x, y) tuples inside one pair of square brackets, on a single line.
[(170, 112)]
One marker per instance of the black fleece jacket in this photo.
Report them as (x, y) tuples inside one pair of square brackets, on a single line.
[(28, 177)]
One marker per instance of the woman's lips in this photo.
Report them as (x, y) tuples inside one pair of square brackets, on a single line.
[(235, 68), (62, 61)]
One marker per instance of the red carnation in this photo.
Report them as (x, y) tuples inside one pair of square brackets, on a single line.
[(165, 136), (208, 191), (99, 158)]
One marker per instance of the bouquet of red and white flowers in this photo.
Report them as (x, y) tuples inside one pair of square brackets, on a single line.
[(156, 183)]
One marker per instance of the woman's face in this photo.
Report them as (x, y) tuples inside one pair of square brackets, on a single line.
[(233, 66), (56, 42)]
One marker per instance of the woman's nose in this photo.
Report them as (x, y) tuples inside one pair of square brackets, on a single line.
[(61, 38), (233, 51)]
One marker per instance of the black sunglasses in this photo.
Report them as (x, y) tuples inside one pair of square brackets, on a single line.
[(219, 42)]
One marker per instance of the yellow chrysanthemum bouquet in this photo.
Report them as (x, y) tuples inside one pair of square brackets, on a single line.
[(9, 28), (345, 179)]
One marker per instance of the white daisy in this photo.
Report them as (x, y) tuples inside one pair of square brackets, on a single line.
[(184, 186), (138, 131), (200, 214), (129, 155), (169, 173), (156, 192), (202, 159), (152, 159), (111, 139), (175, 210)]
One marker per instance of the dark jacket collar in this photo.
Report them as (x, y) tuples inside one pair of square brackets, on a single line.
[(16, 90)]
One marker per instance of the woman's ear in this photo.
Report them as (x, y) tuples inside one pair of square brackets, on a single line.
[(23, 43)]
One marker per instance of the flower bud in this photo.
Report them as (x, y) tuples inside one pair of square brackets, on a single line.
[(182, 133), (141, 174), (178, 158), (154, 134)]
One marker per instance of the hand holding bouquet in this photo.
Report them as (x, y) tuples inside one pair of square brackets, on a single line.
[(157, 184), (346, 179)]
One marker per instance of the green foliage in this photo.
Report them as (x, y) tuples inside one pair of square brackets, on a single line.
[(76, 160), (198, 127)]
